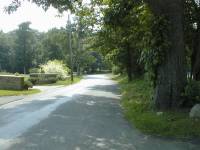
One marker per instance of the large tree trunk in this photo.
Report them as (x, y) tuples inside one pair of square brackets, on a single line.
[(171, 73), (196, 52), (196, 58), (197, 66)]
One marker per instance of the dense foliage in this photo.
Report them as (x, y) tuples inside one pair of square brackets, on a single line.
[(150, 39), (57, 67), (159, 39), (24, 49), (139, 111)]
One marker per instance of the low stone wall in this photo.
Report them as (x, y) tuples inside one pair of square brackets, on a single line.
[(43, 78), (11, 82)]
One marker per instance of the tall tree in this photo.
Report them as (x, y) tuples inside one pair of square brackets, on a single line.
[(120, 34), (5, 52), (24, 47), (54, 44), (194, 15), (171, 74)]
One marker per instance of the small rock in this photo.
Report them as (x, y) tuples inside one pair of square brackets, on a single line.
[(195, 111)]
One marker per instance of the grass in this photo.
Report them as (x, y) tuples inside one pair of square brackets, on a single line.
[(138, 109), (64, 82), (16, 93)]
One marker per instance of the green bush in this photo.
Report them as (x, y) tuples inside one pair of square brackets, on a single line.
[(56, 67), (27, 84), (192, 92), (35, 70), (116, 70), (33, 81), (138, 109), (17, 74)]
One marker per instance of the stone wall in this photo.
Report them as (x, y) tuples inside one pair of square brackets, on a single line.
[(11, 82), (43, 78)]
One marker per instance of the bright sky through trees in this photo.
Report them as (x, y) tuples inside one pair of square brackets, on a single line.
[(41, 20)]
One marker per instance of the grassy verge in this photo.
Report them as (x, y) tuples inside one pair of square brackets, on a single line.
[(138, 109), (64, 82), (16, 93)]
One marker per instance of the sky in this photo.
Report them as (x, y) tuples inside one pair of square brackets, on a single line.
[(41, 20)]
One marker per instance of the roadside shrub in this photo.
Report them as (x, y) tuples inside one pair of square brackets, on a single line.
[(116, 70), (138, 109), (35, 70), (17, 74), (27, 84), (57, 67), (192, 93), (33, 81)]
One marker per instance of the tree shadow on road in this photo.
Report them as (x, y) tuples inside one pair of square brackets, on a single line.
[(89, 122)]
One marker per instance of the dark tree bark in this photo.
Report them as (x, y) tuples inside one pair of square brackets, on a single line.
[(171, 73), (197, 67), (196, 58), (129, 66), (196, 52)]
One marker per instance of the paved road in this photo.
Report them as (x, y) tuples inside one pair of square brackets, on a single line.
[(85, 116)]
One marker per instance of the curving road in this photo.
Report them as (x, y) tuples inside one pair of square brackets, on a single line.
[(84, 116)]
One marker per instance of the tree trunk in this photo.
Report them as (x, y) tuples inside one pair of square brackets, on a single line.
[(196, 58), (78, 70), (197, 67), (196, 53), (129, 64), (171, 73)]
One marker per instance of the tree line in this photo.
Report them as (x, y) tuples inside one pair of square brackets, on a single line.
[(26, 48), (154, 38)]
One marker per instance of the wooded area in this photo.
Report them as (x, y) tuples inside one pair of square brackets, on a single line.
[(158, 39), (24, 49)]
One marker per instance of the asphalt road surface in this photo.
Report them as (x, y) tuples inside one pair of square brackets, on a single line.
[(84, 116)]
